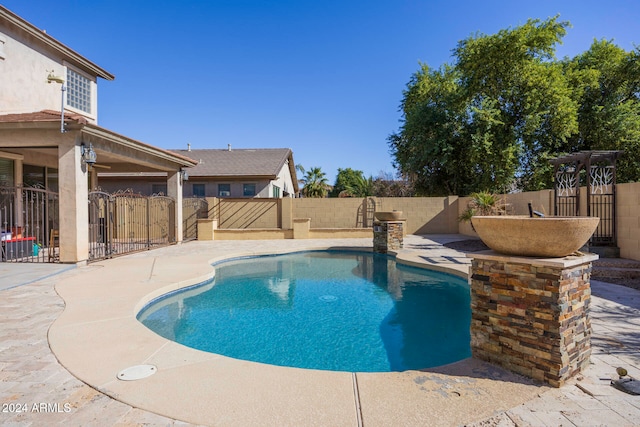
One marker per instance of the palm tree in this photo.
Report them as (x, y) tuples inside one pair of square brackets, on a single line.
[(482, 203), (314, 182), (359, 187)]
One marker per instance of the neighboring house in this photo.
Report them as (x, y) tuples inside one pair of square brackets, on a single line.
[(50, 140), (230, 173)]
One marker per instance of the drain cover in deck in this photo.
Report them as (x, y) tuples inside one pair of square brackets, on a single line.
[(137, 372)]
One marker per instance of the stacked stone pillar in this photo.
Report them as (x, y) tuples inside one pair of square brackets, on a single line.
[(530, 315), (387, 236)]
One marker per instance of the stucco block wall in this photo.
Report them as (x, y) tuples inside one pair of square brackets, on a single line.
[(330, 213), (518, 203), (425, 215), (245, 213), (253, 234), (628, 217), (541, 201)]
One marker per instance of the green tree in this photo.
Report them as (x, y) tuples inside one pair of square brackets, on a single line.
[(352, 183), (521, 103), (493, 119), (314, 182), (429, 149), (606, 81)]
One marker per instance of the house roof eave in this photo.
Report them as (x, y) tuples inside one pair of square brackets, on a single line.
[(70, 54), (50, 120), (103, 133), (292, 171)]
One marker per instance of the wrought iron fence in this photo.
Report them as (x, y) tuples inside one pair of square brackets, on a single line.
[(595, 170), (125, 222), (193, 208), (29, 222)]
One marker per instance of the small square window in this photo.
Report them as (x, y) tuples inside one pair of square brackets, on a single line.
[(78, 91), (224, 190), (198, 190), (248, 190)]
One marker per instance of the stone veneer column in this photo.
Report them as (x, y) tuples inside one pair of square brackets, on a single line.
[(387, 236), (531, 315)]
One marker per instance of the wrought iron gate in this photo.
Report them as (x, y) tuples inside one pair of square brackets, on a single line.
[(125, 222), (29, 221), (193, 208), (595, 170)]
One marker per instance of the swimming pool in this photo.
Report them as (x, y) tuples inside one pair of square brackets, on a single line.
[(329, 310)]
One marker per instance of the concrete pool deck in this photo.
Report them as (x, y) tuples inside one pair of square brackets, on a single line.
[(97, 336)]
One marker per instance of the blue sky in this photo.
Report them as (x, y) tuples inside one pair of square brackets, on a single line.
[(324, 78)]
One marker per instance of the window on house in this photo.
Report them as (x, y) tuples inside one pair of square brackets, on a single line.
[(198, 190), (52, 179), (248, 190), (6, 173), (159, 189), (33, 176), (224, 190), (276, 191), (78, 91)]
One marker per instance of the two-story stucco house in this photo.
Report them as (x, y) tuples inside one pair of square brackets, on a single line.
[(51, 146)]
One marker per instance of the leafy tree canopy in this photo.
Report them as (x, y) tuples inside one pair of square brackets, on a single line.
[(352, 183), (493, 119)]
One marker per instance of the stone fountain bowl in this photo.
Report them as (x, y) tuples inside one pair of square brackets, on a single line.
[(548, 237), (388, 216)]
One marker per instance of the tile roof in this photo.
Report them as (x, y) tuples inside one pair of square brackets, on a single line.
[(237, 162), (42, 116)]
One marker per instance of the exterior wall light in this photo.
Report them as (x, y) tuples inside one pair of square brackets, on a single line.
[(184, 175), (52, 78), (88, 154)]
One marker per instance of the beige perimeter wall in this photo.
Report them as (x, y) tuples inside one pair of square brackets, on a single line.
[(424, 215), (628, 216)]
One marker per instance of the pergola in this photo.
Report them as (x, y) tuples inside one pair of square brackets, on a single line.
[(595, 170)]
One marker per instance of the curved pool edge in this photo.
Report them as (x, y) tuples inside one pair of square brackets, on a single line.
[(197, 281), (407, 259), (167, 313), (97, 335)]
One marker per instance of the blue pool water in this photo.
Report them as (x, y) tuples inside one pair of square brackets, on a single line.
[(339, 311)]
